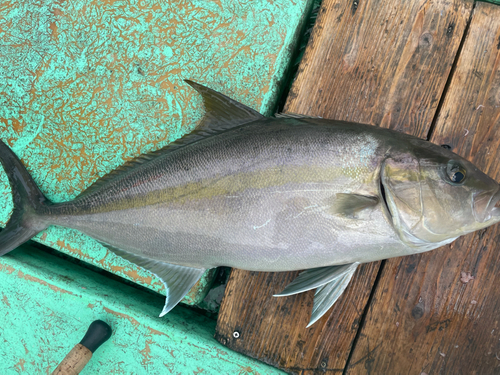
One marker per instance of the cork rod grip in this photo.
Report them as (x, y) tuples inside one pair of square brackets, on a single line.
[(98, 333), (74, 362)]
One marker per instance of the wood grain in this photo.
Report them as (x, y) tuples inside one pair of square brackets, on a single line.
[(382, 62), (424, 317), (274, 329)]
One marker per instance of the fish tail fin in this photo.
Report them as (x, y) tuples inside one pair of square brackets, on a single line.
[(30, 204)]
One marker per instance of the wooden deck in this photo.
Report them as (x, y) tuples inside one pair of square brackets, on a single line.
[(431, 69)]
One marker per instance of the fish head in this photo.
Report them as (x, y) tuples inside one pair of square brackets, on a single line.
[(434, 196)]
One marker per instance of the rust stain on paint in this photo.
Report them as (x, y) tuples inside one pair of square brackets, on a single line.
[(133, 274), (248, 370), (24, 276), (146, 353), (7, 268), (5, 300), (123, 316), (64, 245), (155, 332), (20, 365)]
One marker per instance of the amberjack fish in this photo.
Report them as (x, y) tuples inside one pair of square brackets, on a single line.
[(268, 194)]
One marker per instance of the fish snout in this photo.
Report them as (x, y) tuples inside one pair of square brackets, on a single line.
[(486, 205)]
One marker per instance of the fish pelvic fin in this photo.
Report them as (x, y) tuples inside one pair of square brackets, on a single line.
[(30, 204), (326, 295), (178, 280), (330, 283)]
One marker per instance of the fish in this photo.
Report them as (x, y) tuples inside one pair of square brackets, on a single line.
[(272, 194)]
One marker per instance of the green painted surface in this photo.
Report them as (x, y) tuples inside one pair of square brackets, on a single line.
[(86, 85), (47, 305), (497, 2)]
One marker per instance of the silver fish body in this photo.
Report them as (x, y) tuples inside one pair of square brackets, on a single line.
[(273, 194), (258, 197)]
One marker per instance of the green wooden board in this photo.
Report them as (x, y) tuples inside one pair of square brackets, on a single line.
[(86, 85), (497, 2), (47, 304)]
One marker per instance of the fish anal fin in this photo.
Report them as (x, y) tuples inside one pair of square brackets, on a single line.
[(178, 280), (350, 204)]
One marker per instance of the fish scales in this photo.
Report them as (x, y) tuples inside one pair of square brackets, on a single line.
[(261, 191), (268, 194)]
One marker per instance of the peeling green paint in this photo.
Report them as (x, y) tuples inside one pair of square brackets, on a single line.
[(86, 85), (47, 305)]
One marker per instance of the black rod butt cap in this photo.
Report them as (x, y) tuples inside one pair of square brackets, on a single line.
[(97, 334)]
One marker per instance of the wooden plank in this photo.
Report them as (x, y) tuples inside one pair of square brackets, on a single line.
[(273, 330), (87, 85), (379, 62), (425, 317)]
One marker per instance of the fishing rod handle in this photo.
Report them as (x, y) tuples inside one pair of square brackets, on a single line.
[(98, 333), (74, 362)]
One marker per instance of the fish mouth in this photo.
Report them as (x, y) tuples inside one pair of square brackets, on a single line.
[(494, 205), (487, 206)]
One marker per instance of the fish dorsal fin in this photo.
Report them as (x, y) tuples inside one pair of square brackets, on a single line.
[(350, 204), (120, 171), (293, 115), (326, 295), (222, 113), (178, 280)]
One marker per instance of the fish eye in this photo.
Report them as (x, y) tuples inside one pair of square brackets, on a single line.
[(456, 173)]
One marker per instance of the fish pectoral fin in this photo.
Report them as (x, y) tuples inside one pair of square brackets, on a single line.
[(178, 280), (330, 283), (328, 294), (350, 204)]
